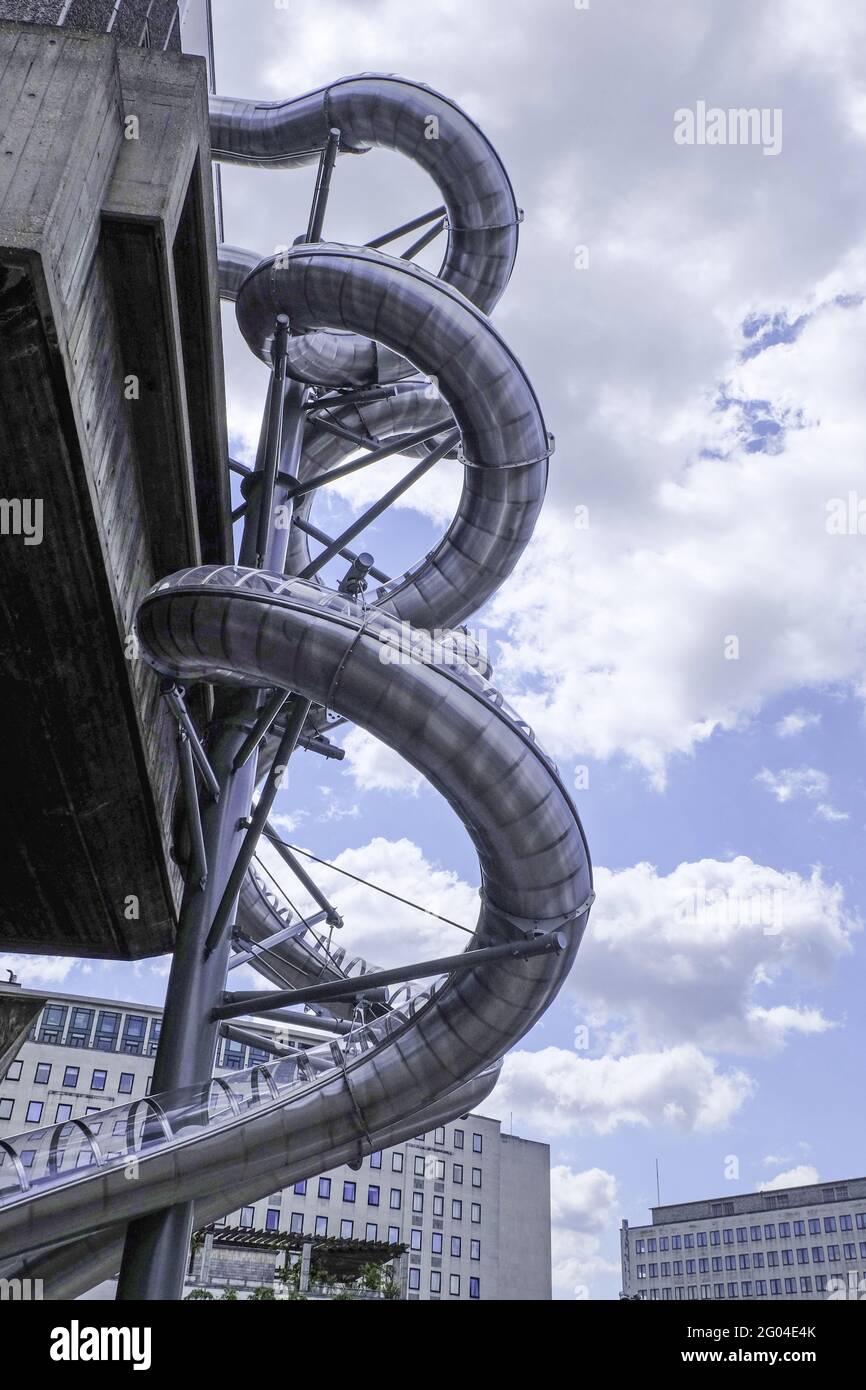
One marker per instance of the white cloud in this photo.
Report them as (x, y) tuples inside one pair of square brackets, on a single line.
[(373, 766), (584, 1207), (382, 930), (794, 782), (32, 971), (800, 1176), (704, 953), (795, 722), (806, 782), (555, 1092)]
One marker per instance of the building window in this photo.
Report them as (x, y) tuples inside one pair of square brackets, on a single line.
[(845, 1223), (817, 1254), (372, 1231), (396, 1162), (476, 1177), (802, 1256), (419, 1165), (435, 1281), (436, 1243), (393, 1235), (415, 1238), (475, 1212), (455, 1247), (790, 1286), (248, 1216), (324, 1187), (53, 1019), (372, 1196), (376, 1159), (418, 1201), (349, 1190), (457, 1172), (153, 1040), (769, 1232), (438, 1206), (70, 1077), (125, 1084), (6, 1108), (346, 1229), (784, 1229), (321, 1225), (43, 1073), (475, 1249), (458, 1138), (272, 1219), (814, 1227), (439, 1136), (805, 1284), (454, 1286), (64, 1110), (134, 1030), (107, 1029), (34, 1112), (80, 1025), (474, 1287), (296, 1223), (476, 1143), (300, 1188), (829, 1225), (414, 1279), (98, 1079), (456, 1209), (233, 1055)]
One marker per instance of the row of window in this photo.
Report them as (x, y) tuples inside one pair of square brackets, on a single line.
[(747, 1289), (395, 1198), (436, 1283), (108, 1034), (35, 1112), (457, 1139), (834, 1253), (416, 1242), (776, 1201), (296, 1226), (744, 1234)]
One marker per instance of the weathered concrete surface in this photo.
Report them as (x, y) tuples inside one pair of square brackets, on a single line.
[(17, 1015), (107, 273), (157, 17)]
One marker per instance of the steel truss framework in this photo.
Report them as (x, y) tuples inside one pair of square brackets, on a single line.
[(370, 358)]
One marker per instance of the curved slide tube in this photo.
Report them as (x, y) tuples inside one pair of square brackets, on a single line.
[(436, 1054)]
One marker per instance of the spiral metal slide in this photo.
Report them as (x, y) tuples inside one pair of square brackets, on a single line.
[(368, 334)]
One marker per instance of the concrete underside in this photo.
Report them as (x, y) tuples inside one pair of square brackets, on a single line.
[(17, 1015), (107, 272)]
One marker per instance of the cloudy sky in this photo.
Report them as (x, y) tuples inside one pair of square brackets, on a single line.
[(686, 632)]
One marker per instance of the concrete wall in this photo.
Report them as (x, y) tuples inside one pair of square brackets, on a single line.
[(524, 1238), (107, 273)]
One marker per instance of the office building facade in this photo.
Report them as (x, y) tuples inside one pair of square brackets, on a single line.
[(802, 1244), (470, 1203)]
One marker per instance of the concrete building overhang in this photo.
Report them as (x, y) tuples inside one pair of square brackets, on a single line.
[(113, 422)]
